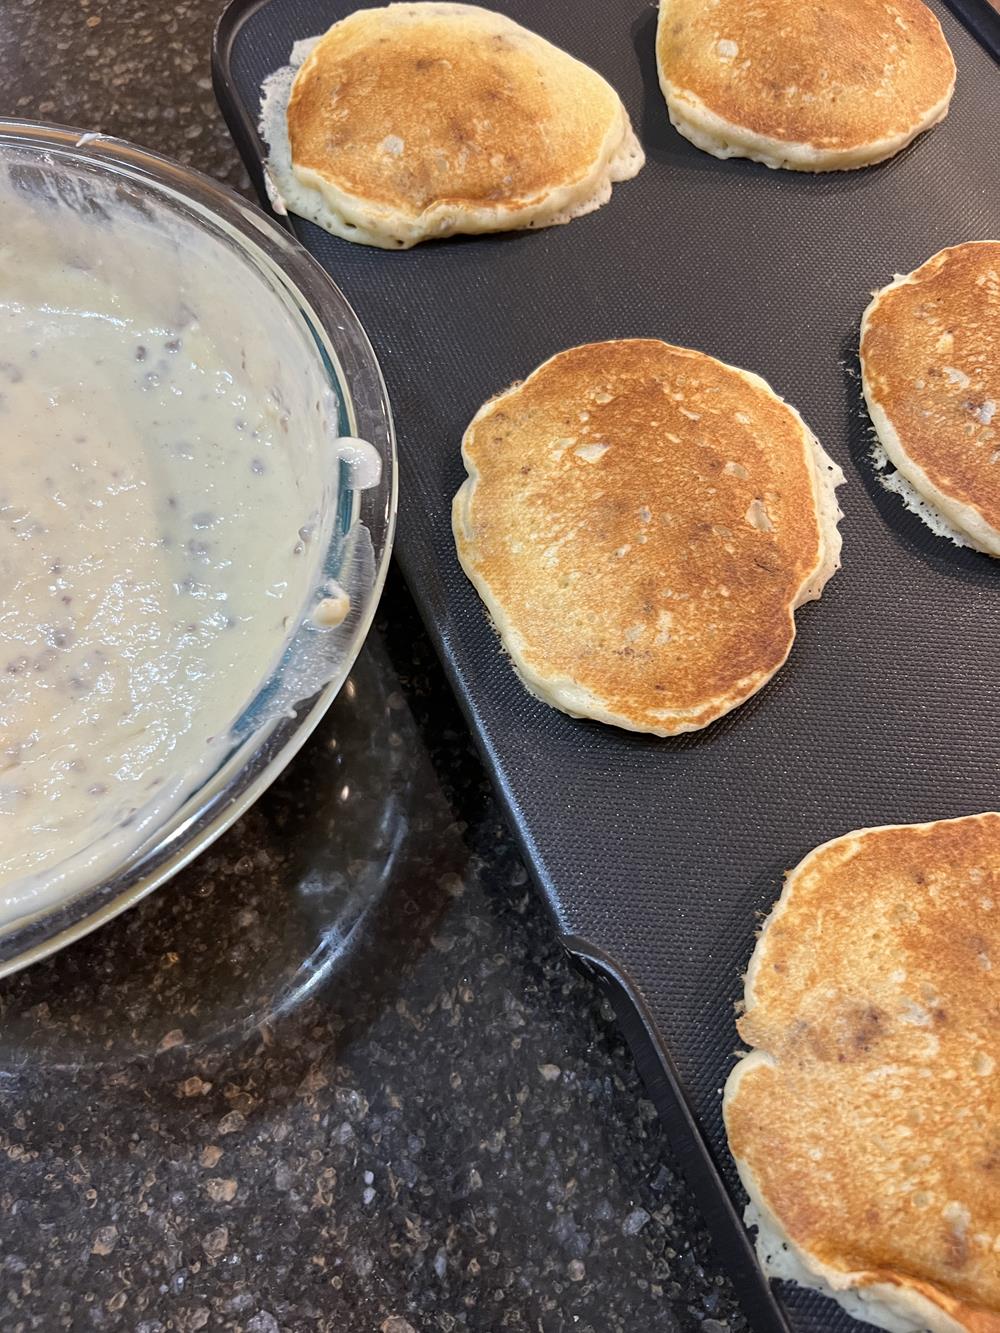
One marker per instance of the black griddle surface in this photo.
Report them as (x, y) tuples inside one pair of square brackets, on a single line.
[(657, 857)]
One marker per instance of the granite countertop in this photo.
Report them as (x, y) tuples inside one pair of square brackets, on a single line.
[(338, 1075)]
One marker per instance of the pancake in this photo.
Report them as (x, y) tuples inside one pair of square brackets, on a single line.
[(423, 120), (865, 1122), (930, 369), (641, 522), (808, 87)]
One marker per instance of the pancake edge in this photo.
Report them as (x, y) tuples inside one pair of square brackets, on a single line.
[(563, 693), (965, 517), (896, 1304), (723, 138)]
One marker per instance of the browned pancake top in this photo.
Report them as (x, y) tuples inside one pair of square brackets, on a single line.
[(931, 355), (875, 1136), (414, 105), (643, 516), (834, 76)]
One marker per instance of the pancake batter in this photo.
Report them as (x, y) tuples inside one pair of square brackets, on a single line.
[(160, 526)]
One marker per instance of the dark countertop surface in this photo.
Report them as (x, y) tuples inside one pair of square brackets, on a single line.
[(338, 1075)]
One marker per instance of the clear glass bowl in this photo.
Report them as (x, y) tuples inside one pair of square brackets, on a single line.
[(282, 282)]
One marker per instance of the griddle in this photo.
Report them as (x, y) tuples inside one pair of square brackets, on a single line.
[(656, 857)]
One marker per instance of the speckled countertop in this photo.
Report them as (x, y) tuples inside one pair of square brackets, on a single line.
[(338, 1075)]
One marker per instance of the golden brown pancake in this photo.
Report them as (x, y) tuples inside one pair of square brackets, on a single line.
[(809, 87), (422, 120), (866, 1120), (641, 522), (930, 366)]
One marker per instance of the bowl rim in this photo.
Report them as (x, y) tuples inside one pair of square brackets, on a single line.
[(273, 248)]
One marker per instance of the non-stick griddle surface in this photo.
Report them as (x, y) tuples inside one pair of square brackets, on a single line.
[(660, 856)]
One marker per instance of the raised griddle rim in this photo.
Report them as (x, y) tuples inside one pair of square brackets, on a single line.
[(982, 19), (241, 125), (688, 1143)]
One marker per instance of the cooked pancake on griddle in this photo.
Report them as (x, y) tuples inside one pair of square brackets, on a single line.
[(641, 522), (866, 1120), (930, 369), (422, 120), (808, 87)]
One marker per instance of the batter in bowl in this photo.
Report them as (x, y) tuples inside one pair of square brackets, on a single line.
[(162, 497)]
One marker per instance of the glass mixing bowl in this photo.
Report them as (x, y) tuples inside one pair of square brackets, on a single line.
[(280, 286)]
